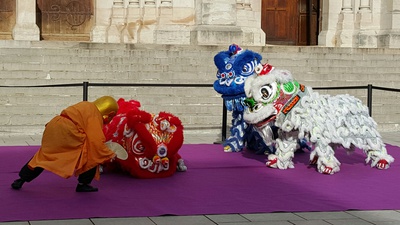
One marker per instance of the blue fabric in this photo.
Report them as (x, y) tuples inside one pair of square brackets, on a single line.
[(234, 66)]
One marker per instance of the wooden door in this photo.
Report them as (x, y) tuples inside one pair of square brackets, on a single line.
[(279, 21), (290, 22), (67, 20), (308, 22), (7, 18)]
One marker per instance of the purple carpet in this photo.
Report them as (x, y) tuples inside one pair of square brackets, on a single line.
[(215, 183)]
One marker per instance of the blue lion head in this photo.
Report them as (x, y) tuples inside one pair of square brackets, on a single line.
[(234, 66)]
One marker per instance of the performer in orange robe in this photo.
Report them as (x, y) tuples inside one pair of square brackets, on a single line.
[(73, 143)]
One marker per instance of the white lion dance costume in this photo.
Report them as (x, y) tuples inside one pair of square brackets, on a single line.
[(273, 96)]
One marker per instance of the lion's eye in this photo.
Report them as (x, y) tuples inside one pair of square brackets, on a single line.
[(267, 92), (162, 151), (248, 69)]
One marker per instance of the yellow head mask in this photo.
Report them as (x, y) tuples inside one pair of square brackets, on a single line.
[(107, 106)]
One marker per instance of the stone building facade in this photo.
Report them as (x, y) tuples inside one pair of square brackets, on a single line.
[(360, 24), (144, 21), (343, 23)]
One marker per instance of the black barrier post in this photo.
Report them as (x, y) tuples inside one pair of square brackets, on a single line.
[(224, 118), (369, 99), (223, 129), (85, 90)]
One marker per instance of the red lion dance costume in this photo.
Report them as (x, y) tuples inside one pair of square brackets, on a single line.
[(151, 141)]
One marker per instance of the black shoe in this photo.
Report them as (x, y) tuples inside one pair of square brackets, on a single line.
[(17, 184), (85, 188)]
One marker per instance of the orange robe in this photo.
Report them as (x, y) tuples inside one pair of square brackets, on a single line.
[(73, 142)]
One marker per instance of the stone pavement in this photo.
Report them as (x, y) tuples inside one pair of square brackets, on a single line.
[(380, 217)]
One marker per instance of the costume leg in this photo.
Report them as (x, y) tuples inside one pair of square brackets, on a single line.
[(85, 179), (235, 142), (26, 174)]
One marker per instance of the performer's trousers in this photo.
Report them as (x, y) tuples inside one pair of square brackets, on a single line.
[(28, 174)]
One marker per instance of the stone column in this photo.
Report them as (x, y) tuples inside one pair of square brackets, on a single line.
[(175, 22), (330, 14), (365, 5), (239, 4), (133, 22), (366, 27), (347, 6), (249, 20), (167, 3), (25, 27), (247, 5), (345, 30), (102, 21), (149, 21), (118, 18), (394, 31), (216, 23)]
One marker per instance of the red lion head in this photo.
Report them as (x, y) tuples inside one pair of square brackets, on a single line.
[(152, 141)]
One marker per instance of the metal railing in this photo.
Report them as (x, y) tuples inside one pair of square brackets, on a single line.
[(87, 84)]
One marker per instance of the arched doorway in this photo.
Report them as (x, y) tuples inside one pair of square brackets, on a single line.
[(291, 22), (66, 20)]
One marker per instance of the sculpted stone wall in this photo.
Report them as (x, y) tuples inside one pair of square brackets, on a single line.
[(360, 24), (140, 21), (344, 23)]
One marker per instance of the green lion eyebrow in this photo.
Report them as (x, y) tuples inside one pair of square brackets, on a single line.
[(250, 102)]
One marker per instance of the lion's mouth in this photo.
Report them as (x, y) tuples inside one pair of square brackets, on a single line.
[(265, 121)]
